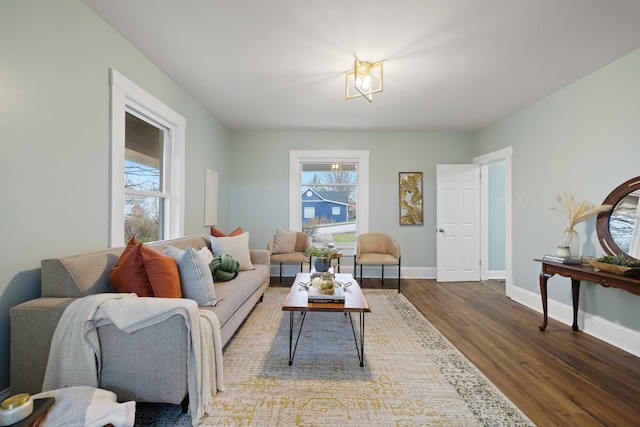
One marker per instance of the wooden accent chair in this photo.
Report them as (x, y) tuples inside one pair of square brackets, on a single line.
[(376, 249), (303, 242)]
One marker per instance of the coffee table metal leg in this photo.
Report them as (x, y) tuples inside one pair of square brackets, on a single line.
[(292, 348), (359, 347)]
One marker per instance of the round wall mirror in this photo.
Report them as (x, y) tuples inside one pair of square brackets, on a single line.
[(619, 229)]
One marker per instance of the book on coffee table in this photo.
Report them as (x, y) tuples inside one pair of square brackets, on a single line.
[(316, 296)]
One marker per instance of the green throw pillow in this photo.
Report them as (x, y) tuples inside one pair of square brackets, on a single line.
[(224, 268)]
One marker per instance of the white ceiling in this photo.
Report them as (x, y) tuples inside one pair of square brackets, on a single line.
[(450, 65)]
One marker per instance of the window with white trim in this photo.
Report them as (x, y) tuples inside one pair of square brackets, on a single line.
[(329, 195), (147, 166)]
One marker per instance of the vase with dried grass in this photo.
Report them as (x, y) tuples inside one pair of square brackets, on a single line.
[(575, 213), (569, 243)]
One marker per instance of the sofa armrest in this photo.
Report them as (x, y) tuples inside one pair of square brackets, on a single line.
[(260, 256), (32, 326), (130, 362), (148, 365)]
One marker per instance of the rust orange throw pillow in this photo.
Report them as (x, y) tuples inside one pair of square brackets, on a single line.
[(162, 271), (129, 274), (132, 244), (145, 272), (217, 233)]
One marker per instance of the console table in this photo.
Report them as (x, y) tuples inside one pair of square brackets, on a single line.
[(578, 273)]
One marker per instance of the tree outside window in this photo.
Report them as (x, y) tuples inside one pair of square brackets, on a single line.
[(143, 180)]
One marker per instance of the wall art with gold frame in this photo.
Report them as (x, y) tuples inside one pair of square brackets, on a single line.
[(410, 188)]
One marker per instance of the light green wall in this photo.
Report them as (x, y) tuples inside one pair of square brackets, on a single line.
[(260, 180), (54, 134), (497, 216), (584, 139)]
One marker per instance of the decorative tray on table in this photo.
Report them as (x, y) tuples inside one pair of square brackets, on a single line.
[(617, 269), (318, 294)]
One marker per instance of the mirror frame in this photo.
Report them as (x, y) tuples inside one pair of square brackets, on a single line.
[(602, 222)]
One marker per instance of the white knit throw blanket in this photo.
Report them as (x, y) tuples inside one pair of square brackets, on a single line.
[(75, 347)]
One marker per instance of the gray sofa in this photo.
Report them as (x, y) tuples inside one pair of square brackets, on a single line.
[(149, 365)]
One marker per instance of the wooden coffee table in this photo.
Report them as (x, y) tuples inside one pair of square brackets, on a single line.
[(354, 302)]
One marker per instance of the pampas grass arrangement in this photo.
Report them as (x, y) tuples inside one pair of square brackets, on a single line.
[(577, 212)]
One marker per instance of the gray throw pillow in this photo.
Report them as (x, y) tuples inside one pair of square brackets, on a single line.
[(196, 279)]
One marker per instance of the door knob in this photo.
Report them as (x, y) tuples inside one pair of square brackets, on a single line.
[(440, 230)]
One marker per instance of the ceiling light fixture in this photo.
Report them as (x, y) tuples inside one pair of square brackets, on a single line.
[(365, 77)]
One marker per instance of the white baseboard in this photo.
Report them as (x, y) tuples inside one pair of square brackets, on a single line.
[(390, 272), (497, 274), (609, 332)]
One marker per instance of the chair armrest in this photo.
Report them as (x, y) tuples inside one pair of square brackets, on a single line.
[(260, 256)]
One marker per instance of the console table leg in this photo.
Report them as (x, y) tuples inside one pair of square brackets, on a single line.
[(575, 292), (543, 293)]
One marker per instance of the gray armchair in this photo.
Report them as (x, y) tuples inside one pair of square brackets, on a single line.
[(376, 249)]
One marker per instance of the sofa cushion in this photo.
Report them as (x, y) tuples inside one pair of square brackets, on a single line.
[(129, 274), (196, 241), (195, 277), (224, 268), (236, 246), (162, 272), (207, 254), (133, 242), (233, 294), (145, 272), (217, 233), (284, 241)]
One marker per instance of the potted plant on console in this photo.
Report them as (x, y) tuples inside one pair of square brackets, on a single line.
[(323, 256)]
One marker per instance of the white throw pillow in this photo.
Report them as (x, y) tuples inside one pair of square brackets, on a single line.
[(284, 242), (236, 246), (206, 252), (196, 279)]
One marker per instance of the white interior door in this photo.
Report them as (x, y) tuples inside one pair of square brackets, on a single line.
[(458, 223)]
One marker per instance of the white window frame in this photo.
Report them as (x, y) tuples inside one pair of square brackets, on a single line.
[(126, 96), (298, 157)]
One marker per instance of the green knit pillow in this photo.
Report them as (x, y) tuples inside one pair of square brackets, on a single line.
[(224, 268)]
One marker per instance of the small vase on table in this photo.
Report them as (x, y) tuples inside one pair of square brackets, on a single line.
[(569, 243)]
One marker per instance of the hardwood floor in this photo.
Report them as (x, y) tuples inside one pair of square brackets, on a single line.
[(556, 377)]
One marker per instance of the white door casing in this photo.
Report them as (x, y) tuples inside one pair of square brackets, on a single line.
[(458, 223)]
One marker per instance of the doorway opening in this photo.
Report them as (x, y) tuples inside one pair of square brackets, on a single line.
[(496, 216)]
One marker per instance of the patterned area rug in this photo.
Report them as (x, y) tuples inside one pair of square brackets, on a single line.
[(411, 376)]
